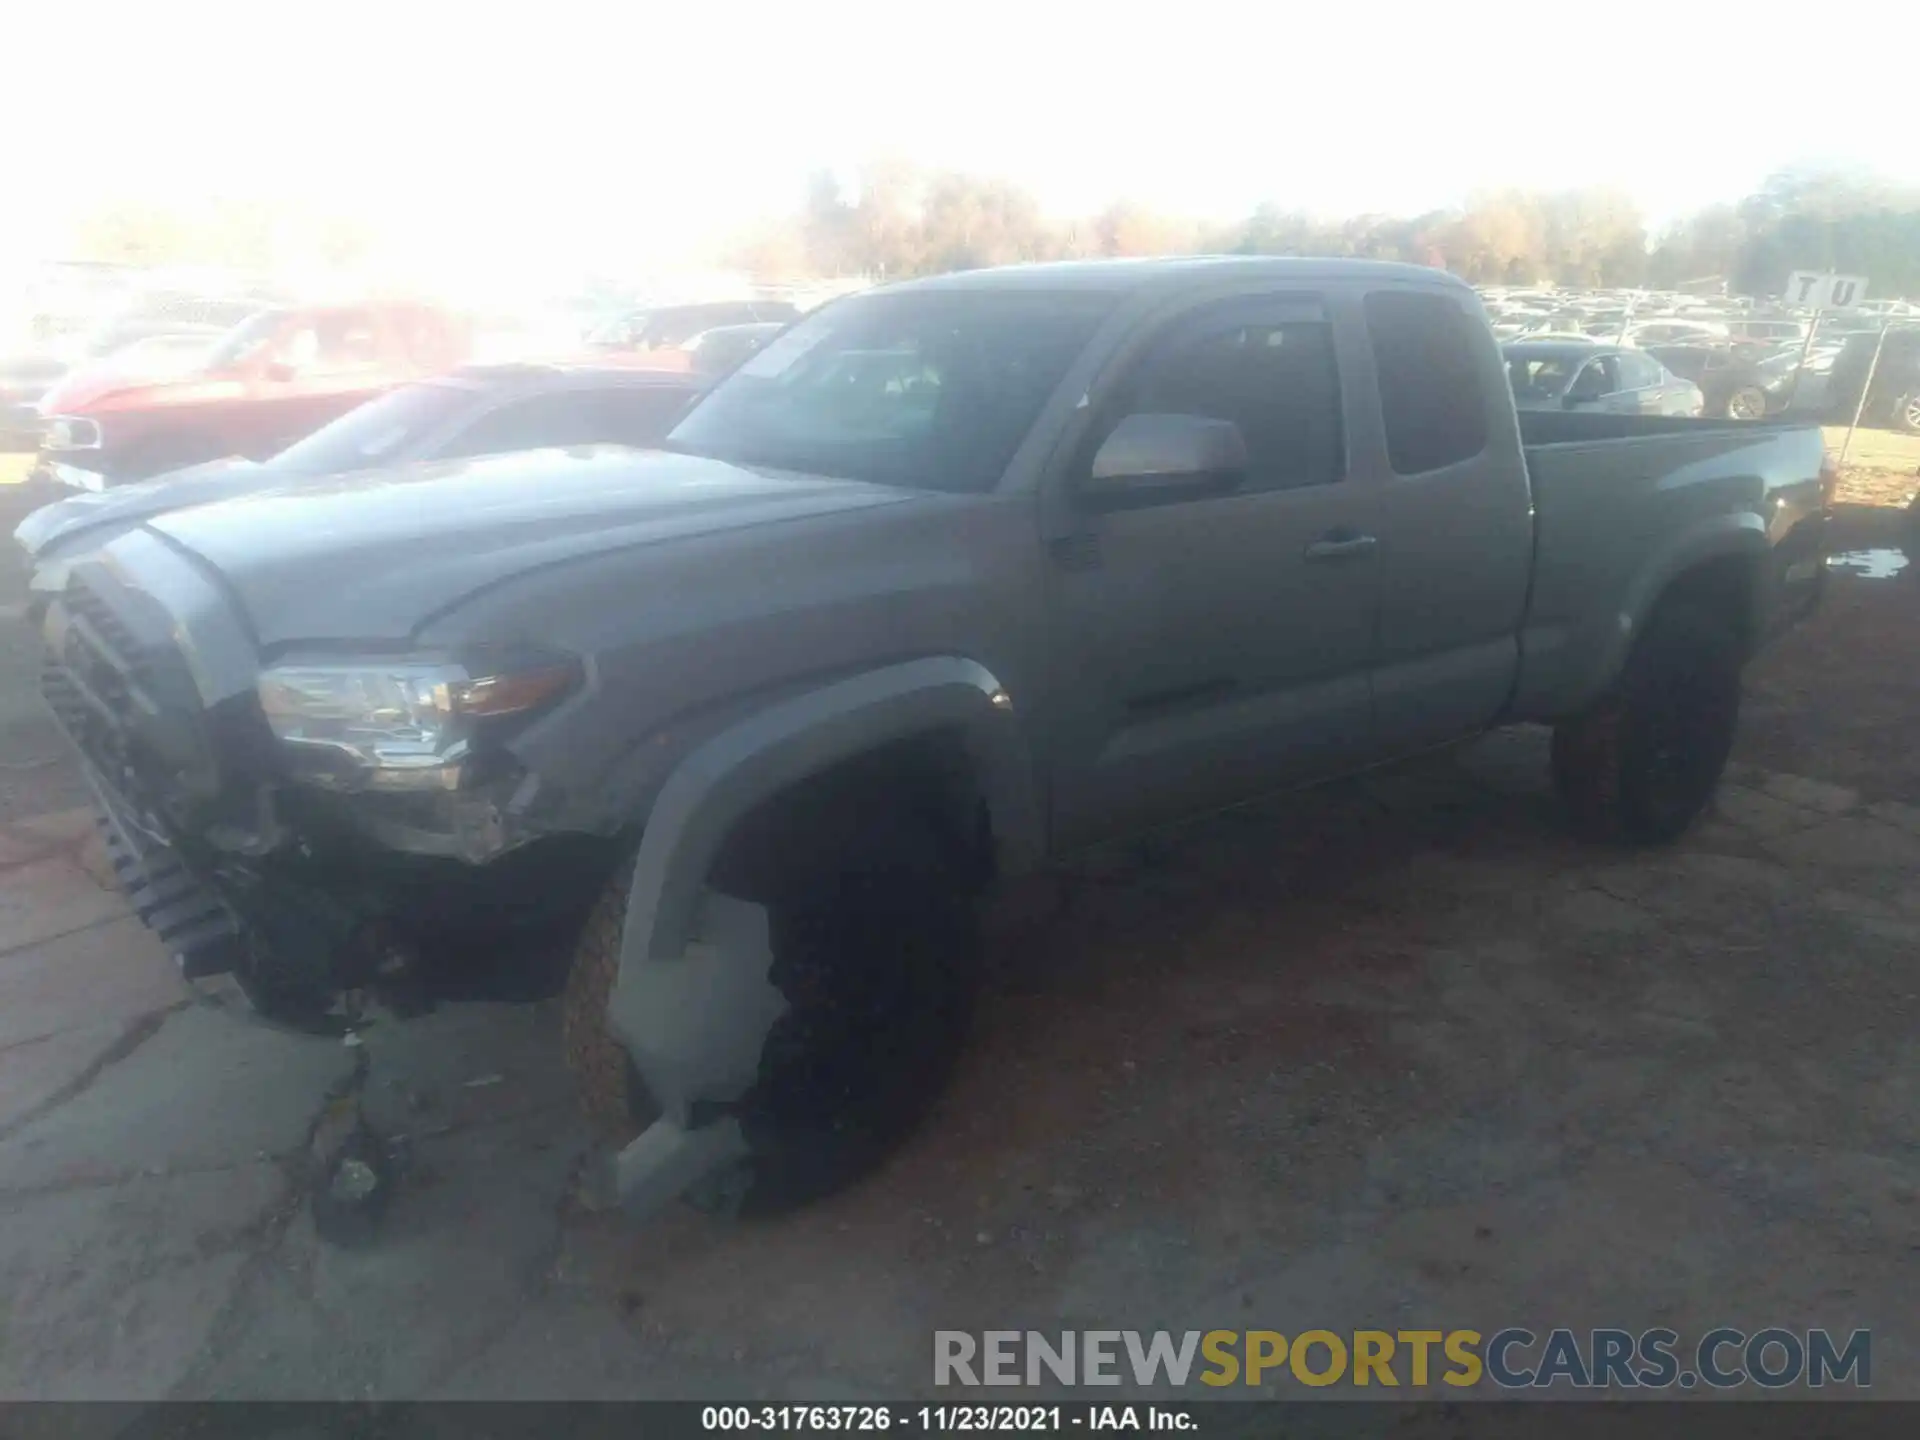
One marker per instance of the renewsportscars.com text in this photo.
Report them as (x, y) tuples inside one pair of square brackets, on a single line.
[(1512, 1359)]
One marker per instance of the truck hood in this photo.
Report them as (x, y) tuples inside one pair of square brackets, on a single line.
[(93, 518), (369, 557)]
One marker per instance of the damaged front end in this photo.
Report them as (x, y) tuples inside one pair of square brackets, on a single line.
[(324, 830)]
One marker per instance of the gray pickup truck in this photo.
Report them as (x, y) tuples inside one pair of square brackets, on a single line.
[(723, 742)]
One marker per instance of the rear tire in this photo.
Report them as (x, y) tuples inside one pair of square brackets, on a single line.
[(1641, 765), (875, 949), (1749, 402)]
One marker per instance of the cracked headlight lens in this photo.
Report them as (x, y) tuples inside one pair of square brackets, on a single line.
[(398, 725)]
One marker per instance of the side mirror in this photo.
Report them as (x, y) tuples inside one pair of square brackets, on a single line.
[(1151, 458)]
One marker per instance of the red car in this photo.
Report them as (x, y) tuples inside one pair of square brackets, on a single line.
[(273, 378)]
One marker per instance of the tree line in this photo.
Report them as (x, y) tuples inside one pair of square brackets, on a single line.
[(900, 220)]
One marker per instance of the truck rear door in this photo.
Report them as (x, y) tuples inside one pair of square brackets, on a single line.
[(1208, 647), (1455, 522)]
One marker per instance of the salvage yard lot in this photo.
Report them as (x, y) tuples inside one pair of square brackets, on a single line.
[(1398, 1054)]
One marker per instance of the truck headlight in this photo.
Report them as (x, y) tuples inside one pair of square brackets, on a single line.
[(70, 432), (400, 725)]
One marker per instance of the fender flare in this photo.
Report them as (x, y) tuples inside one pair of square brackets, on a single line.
[(1740, 536), (1721, 537), (692, 1003)]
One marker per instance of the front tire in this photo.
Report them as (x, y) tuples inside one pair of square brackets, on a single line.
[(875, 949), (1641, 765)]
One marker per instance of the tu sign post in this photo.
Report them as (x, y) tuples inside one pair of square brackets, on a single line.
[(1820, 291)]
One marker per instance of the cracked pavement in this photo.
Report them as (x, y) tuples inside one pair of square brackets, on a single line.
[(1397, 1053)]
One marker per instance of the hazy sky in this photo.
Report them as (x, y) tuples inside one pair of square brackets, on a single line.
[(519, 129)]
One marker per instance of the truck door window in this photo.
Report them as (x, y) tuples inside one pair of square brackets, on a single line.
[(1426, 355), (1278, 382)]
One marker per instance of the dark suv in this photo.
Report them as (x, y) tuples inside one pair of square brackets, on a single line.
[(1895, 397)]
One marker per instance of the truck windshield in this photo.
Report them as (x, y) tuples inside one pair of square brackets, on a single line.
[(930, 391)]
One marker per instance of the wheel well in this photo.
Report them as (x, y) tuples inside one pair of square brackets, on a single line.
[(931, 775), (1726, 589)]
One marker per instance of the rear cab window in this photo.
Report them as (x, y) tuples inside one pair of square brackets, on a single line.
[(1426, 355)]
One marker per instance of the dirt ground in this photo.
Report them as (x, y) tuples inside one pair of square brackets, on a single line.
[(1399, 1053)]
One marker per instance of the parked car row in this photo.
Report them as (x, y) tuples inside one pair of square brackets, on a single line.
[(1750, 360)]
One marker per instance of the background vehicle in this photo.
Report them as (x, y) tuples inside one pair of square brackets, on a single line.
[(1610, 378), (478, 410), (1895, 398), (274, 377), (751, 720), (716, 351), (661, 333), (152, 339), (1734, 388), (1649, 333), (1768, 332)]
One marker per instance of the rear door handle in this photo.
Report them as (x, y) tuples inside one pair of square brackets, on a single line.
[(1341, 545)]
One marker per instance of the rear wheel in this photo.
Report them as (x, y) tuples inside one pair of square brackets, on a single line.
[(1749, 402), (874, 947), (1642, 764)]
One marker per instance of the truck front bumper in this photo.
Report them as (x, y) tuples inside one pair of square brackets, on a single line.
[(304, 896)]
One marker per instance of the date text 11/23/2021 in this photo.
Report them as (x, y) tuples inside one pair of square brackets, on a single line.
[(942, 1419)]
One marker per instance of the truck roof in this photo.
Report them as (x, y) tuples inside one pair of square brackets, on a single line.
[(1176, 272)]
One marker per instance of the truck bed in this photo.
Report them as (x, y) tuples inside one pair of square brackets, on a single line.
[(1610, 490), (1571, 427)]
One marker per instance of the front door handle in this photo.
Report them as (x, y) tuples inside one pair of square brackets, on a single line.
[(1341, 545)]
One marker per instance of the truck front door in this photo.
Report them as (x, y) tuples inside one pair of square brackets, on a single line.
[(1204, 648)]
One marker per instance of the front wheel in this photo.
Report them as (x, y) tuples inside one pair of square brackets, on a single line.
[(1641, 765), (875, 950)]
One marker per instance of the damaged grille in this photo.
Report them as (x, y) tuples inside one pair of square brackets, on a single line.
[(93, 682), (100, 681)]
